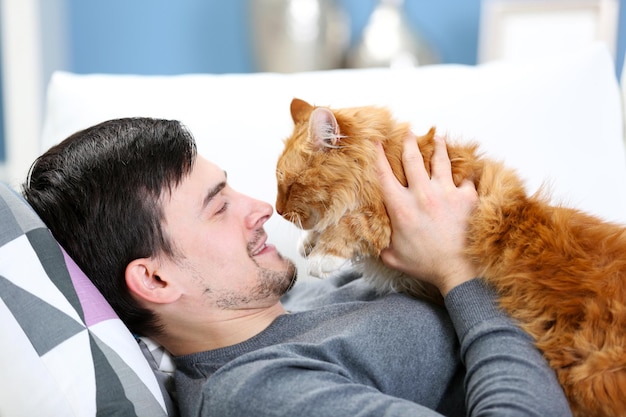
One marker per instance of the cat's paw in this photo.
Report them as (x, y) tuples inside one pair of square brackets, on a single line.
[(323, 266), (306, 243)]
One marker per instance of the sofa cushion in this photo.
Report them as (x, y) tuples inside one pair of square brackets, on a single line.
[(64, 351)]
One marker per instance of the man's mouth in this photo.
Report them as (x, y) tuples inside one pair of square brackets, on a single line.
[(259, 244), (259, 250)]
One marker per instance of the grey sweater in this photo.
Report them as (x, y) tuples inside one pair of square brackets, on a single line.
[(345, 352)]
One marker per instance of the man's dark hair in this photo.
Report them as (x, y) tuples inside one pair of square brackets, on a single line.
[(99, 193)]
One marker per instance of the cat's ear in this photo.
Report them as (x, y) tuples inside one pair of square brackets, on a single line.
[(300, 110), (323, 129)]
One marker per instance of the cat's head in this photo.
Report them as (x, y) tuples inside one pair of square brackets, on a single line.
[(327, 166)]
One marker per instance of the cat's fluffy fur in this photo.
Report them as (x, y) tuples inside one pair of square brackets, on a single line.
[(558, 271)]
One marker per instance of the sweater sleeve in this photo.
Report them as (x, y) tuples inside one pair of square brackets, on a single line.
[(506, 374)]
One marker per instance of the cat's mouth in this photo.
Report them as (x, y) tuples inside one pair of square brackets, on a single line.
[(303, 222)]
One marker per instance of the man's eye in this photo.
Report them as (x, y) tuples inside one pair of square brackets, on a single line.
[(222, 208)]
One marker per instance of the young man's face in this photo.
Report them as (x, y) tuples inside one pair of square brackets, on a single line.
[(222, 256)]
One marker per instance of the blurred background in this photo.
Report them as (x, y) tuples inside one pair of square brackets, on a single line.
[(166, 37)]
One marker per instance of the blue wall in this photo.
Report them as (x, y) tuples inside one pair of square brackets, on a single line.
[(182, 36), (213, 36), (158, 36), (166, 37)]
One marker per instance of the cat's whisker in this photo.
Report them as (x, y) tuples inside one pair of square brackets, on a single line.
[(297, 220)]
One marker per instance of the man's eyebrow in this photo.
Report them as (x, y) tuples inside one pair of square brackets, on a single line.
[(214, 191)]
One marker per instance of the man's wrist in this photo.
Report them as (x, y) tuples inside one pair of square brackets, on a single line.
[(456, 277)]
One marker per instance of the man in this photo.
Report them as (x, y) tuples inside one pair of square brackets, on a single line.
[(184, 259)]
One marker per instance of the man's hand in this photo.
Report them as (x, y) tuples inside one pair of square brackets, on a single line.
[(429, 217)]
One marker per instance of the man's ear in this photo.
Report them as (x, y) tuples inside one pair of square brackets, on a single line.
[(144, 282)]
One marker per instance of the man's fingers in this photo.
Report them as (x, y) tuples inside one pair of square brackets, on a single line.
[(385, 174), (440, 164), (413, 162), (469, 188), (388, 181)]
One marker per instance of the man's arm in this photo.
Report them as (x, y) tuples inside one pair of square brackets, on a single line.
[(506, 374)]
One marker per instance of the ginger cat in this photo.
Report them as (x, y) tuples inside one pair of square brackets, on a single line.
[(559, 272)]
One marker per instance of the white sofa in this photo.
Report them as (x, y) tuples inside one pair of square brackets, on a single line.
[(558, 122)]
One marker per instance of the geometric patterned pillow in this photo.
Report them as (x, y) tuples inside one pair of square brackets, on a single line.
[(63, 350)]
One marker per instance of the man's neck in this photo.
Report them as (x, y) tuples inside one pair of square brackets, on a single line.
[(181, 339)]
